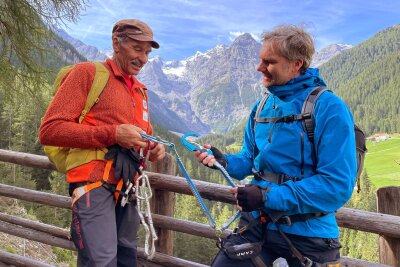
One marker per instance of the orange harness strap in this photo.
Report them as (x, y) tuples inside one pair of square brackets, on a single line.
[(80, 191), (118, 190)]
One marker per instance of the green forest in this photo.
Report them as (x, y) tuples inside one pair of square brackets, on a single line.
[(367, 77)]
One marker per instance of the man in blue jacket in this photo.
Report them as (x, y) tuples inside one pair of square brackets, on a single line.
[(297, 185)]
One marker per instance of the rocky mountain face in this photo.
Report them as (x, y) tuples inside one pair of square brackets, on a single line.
[(208, 92), (326, 53), (215, 90), (89, 51)]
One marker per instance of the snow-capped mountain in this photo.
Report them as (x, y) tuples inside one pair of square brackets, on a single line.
[(210, 91), (213, 90)]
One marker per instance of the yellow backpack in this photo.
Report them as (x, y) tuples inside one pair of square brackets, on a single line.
[(65, 158)]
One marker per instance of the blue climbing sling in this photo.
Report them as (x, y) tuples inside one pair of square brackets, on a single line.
[(218, 231)]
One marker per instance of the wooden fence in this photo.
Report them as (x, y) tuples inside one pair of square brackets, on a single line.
[(165, 185)]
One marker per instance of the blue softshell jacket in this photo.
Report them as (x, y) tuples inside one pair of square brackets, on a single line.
[(328, 183)]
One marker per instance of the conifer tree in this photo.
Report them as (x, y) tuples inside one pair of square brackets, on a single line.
[(25, 31)]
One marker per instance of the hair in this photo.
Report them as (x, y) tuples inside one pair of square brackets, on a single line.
[(122, 39), (293, 43), (121, 36)]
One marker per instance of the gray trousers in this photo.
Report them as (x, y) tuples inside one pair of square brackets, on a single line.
[(104, 233)]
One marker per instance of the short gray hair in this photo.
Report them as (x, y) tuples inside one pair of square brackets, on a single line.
[(293, 43), (121, 39)]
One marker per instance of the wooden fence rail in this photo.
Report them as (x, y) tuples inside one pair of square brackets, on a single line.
[(59, 237), (378, 223), (159, 258), (382, 224)]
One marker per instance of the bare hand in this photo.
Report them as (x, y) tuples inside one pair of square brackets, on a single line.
[(157, 152), (204, 158), (128, 136)]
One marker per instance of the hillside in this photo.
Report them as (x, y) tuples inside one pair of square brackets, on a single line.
[(382, 162), (28, 248), (367, 77)]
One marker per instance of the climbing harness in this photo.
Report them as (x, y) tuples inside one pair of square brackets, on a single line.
[(218, 231)]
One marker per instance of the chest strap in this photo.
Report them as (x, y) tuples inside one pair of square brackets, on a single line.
[(278, 217), (286, 119), (274, 177)]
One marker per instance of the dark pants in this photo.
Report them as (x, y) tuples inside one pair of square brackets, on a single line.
[(105, 234), (320, 250)]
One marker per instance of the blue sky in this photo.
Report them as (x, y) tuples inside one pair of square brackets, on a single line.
[(183, 27)]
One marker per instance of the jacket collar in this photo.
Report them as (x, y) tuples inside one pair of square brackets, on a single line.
[(117, 73), (309, 79)]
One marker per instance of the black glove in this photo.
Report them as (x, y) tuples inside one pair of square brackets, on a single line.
[(218, 157), (250, 197), (126, 162)]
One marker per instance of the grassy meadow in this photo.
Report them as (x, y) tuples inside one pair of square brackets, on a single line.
[(382, 161)]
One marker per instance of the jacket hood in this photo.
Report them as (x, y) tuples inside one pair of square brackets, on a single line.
[(309, 79)]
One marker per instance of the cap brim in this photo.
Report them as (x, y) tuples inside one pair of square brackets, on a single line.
[(144, 38)]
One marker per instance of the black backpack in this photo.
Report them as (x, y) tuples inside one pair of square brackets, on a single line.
[(308, 122)]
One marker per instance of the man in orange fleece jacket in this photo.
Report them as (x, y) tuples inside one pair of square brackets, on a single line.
[(105, 233)]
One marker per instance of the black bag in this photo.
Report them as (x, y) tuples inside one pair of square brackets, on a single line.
[(242, 251)]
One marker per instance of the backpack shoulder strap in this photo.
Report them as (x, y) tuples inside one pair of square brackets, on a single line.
[(99, 82), (60, 76), (259, 108), (308, 111)]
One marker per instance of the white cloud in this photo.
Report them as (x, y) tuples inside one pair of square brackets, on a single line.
[(185, 26)]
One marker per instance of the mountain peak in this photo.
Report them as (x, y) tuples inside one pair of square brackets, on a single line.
[(155, 59), (244, 38), (88, 51), (328, 52)]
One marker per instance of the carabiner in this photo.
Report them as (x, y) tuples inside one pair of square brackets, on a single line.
[(193, 146)]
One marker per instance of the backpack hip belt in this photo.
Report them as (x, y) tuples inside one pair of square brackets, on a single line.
[(274, 177), (278, 217)]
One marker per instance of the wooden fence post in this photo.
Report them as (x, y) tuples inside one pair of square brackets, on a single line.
[(163, 203), (388, 201)]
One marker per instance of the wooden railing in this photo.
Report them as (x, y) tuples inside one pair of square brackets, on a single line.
[(387, 226)]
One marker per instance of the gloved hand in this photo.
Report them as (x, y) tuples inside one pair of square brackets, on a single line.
[(219, 157), (126, 162), (250, 197)]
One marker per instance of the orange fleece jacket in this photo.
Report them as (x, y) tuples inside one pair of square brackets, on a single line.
[(117, 104)]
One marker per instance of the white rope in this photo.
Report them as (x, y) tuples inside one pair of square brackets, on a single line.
[(143, 195)]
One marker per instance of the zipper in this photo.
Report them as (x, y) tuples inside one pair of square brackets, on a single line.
[(302, 154)]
